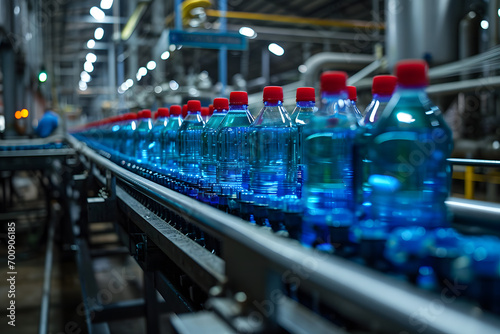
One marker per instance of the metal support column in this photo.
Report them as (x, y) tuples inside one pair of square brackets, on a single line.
[(151, 304), (266, 66), (9, 88), (223, 50)]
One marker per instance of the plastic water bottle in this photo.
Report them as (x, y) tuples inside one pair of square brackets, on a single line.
[(352, 99), (156, 151), (189, 140), (272, 140), (141, 135), (408, 146), (209, 139), (127, 135), (232, 148), (169, 139), (382, 89), (205, 114), (328, 182), (185, 111), (302, 114)]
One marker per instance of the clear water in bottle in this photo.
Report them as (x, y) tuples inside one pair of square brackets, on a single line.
[(189, 140), (209, 139), (272, 140), (232, 146)]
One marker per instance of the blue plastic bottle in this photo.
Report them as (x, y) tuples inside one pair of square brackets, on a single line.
[(209, 139), (156, 151), (382, 89), (302, 115), (408, 147), (141, 136), (206, 114), (127, 135), (328, 182), (232, 147), (169, 139), (272, 140), (189, 141), (352, 99)]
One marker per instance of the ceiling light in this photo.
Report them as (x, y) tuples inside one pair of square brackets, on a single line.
[(91, 44), (142, 71), (124, 86), (106, 4), (97, 13), (85, 76), (484, 24), (91, 57), (173, 85), (172, 47), (158, 89), (82, 85), (276, 49), (151, 65), (165, 55), (498, 12), (88, 67), (248, 32), (302, 68), (138, 77), (129, 83), (17, 10), (42, 77), (99, 33)]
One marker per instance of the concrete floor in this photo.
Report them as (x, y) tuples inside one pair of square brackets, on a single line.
[(118, 277)]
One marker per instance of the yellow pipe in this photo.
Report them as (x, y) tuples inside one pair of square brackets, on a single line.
[(297, 20), (469, 182)]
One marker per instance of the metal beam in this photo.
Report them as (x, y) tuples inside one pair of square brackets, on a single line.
[(90, 20)]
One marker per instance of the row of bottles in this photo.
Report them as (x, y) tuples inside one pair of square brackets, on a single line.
[(370, 186)]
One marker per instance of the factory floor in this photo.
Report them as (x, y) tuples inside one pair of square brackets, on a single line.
[(65, 299)]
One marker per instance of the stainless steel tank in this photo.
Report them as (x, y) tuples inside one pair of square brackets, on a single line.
[(422, 29)]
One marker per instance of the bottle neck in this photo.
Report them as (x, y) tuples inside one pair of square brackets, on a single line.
[(273, 103), (305, 104), (329, 97), (238, 107), (382, 97), (219, 111), (410, 90)]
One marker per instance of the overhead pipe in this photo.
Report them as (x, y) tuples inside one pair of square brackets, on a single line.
[(334, 60), (352, 24)]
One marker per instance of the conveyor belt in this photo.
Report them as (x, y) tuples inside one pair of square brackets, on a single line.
[(256, 263)]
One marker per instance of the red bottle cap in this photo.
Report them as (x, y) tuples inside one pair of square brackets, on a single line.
[(162, 112), (352, 93), (333, 82), (130, 116), (238, 98), (211, 109), (194, 105), (184, 111), (273, 94), (412, 73), (305, 94), (175, 110), (221, 103), (384, 84), (205, 111), (146, 113)]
